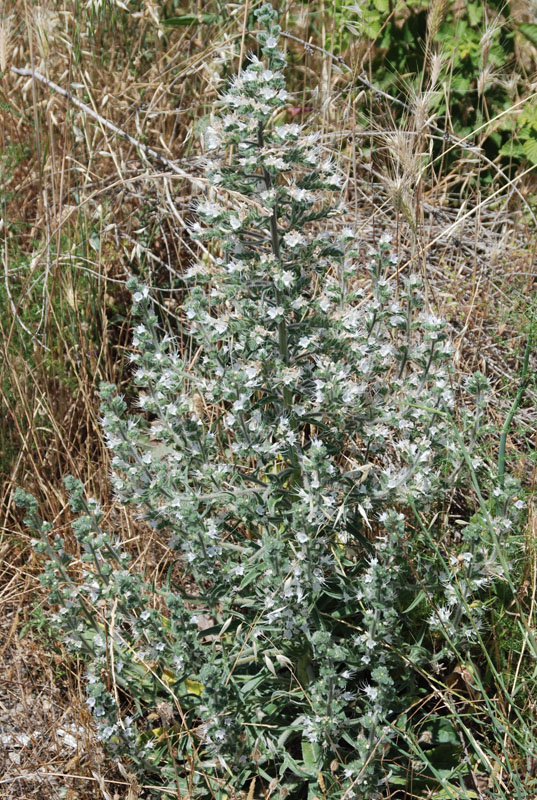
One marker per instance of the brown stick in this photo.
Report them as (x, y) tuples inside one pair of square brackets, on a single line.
[(147, 151)]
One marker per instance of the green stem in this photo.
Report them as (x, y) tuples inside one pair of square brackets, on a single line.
[(516, 402), (275, 242)]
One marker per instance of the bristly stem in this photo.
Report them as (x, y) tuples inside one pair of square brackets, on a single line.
[(275, 243)]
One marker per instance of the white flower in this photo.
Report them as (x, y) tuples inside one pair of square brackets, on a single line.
[(275, 162), (287, 279), (371, 692), (300, 195), (210, 210), (239, 404), (275, 312), (294, 238), (289, 131), (442, 616), (334, 180), (212, 138), (139, 296)]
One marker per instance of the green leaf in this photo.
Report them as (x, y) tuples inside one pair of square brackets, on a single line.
[(192, 19), (475, 13), (5, 106), (443, 759), (442, 731), (530, 150), (460, 84), (94, 241), (311, 755), (193, 687), (512, 150), (417, 600), (290, 763), (303, 669), (252, 684), (529, 31)]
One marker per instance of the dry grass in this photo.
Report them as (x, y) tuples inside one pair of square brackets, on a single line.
[(82, 207), (45, 734)]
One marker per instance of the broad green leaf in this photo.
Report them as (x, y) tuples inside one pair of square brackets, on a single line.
[(443, 758), (460, 84), (530, 150), (303, 670), (168, 677), (442, 731), (529, 31), (95, 241), (475, 13), (193, 687), (311, 755)]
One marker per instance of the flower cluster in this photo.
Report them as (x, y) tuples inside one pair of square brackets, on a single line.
[(308, 409)]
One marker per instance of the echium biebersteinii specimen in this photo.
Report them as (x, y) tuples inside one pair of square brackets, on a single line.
[(308, 409)]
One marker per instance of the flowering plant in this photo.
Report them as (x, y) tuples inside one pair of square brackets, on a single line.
[(307, 413)]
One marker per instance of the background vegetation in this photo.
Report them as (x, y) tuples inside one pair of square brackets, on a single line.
[(432, 108)]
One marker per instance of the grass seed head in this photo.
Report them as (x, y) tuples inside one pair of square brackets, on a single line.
[(44, 22), (436, 15), (5, 42)]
